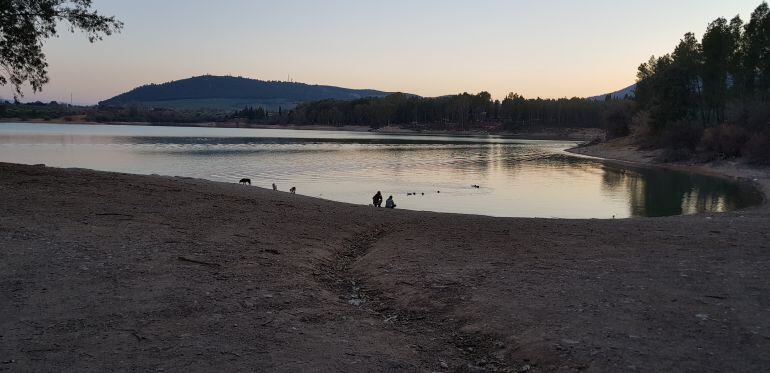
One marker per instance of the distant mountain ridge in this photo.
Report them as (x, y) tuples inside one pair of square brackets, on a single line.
[(230, 91), (628, 92)]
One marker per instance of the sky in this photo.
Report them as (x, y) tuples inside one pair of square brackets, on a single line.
[(538, 48)]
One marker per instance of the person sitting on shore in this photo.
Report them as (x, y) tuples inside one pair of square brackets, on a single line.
[(389, 203), (377, 199)]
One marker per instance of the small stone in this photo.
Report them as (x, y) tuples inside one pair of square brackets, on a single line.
[(443, 364), (356, 301), (525, 368)]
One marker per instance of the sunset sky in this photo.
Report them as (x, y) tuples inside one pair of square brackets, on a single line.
[(553, 48)]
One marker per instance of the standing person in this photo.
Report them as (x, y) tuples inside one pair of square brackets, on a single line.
[(275, 187), (377, 199), (389, 203)]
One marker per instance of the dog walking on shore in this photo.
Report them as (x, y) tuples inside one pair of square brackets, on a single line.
[(245, 181)]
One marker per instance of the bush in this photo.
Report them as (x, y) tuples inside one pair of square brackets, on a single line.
[(758, 116), (617, 123), (640, 125), (674, 155), (724, 141), (757, 149), (681, 135)]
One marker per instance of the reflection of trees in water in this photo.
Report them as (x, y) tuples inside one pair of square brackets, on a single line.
[(613, 179), (519, 156), (628, 183), (488, 158), (696, 201), (485, 159), (663, 193)]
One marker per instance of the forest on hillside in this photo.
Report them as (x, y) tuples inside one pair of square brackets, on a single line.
[(462, 112), (209, 87), (711, 97)]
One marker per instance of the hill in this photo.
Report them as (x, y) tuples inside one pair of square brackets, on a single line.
[(210, 91), (627, 92)]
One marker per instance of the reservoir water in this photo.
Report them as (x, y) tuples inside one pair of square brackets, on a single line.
[(516, 178)]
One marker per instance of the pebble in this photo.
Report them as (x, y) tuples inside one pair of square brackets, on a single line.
[(356, 302)]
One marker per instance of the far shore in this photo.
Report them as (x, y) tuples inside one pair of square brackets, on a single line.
[(571, 134), (102, 271)]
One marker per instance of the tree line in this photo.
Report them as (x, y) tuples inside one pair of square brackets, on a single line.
[(710, 97), (462, 112)]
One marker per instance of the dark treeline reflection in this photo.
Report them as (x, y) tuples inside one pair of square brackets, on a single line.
[(665, 193)]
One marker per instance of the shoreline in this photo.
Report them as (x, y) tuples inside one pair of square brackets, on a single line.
[(101, 269), (624, 152), (566, 134)]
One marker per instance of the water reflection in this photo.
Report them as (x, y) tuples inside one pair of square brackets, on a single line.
[(664, 193), (517, 178)]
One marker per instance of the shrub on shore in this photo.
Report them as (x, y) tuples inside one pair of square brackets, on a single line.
[(724, 141), (617, 121), (757, 149)]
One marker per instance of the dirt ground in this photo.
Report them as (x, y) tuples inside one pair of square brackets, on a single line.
[(114, 272)]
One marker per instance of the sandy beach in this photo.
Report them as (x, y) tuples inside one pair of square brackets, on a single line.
[(115, 272)]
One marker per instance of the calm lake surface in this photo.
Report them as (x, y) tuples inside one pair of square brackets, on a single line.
[(518, 178)]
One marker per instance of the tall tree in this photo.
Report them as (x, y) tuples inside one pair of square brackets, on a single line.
[(25, 24), (756, 54), (735, 65), (685, 76), (719, 46)]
